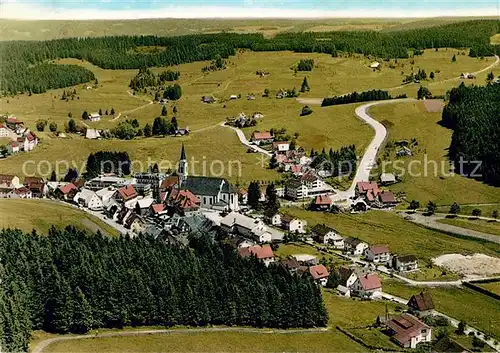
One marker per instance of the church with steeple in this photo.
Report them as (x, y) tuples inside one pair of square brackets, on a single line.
[(214, 193)]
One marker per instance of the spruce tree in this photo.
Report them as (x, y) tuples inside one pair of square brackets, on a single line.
[(82, 320)]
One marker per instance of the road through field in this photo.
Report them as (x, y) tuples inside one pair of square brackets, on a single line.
[(43, 344)]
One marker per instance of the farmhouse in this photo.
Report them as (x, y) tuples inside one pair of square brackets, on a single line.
[(421, 304), (321, 203), (126, 193), (20, 193), (281, 146), (246, 226), (208, 99), (263, 253), (260, 138), (67, 191), (387, 198), (375, 65), (10, 181), (292, 224), (405, 263), (378, 254), (36, 185), (408, 331), (326, 235), (94, 117), (89, 199)]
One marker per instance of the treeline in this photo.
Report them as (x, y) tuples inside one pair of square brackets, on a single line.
[(20, 57), (355, 97), (338, 162), (71, 281), (473, 112), (107, 162), (146, 78)]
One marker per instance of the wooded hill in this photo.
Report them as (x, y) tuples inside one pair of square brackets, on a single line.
[(71, 281), (474, 115), (21, 69)]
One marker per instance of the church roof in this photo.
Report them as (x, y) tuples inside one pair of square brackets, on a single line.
[(209, 186), (183, 153)]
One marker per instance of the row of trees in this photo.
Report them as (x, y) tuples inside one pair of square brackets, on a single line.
[(22, 70), (71, 281), (338, 162), (305, 65), (355, 97), (107, 162), (472, 112)]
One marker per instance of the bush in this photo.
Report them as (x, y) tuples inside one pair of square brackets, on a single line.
[(306, 111), (53, 127)]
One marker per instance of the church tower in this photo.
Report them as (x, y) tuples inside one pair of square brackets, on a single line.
[(182, 170)]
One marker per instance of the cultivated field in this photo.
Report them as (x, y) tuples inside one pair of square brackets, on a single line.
[(378, 227), (474, 224), (406, 121), (457, 303), (491, 286), (42, 214)]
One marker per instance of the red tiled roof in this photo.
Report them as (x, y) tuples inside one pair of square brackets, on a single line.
[(318, 271), (276, 144), (21, 190), (6, 178), (67, 188), (370, 281), (322, 200), (185, 199), (243, 192), (405, 327), (127, 192), (169, 182), (266, 135), (296, 168), (157, 208), (14, 121), (261, 252), (379, 249), (14, 144), (387, 197), (364, 186), (309, 176), (286, 218), (30, 137)]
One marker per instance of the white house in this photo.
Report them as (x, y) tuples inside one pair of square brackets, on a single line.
[(408, 331), (263, 253), (92, 134), (246, 226), (275, 220), (94, 117), (292, 224), (13, 147), (281, 146), (89, 199), (378, 254), (355, 246), (233, 96), (375, 65), (326, 235), (387, 178), (348, 276), (296, 190), (405, 263), (367, 284), (320, 274)]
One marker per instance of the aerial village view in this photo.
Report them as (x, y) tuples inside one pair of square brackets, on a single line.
[(249, 176)]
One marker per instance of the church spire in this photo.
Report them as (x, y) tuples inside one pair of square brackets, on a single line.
[(183, 153)]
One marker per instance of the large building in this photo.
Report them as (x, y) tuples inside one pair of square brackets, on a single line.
[(213, 192), (153, 179)]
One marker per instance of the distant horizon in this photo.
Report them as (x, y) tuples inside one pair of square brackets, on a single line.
[(243, 9)]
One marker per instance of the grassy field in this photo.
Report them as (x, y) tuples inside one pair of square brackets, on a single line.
[(340, 310), (379, 227), (428, 180), (43, 30), (495, 39), (486, 210), (457, 303), (491, 286), (478, 224), (41, 214)]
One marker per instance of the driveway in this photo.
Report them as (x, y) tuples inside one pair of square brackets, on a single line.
[(247, 143)]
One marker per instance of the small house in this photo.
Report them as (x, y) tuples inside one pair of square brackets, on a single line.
[(378, 254), (306, 259), (263, 253), (355, 246), (375, 65), (94, 117), (408, 331), (281, 94), (291, 264), (275, 220), (403, 152), (208, 99), (367, 284), (405, 263), (233, 96), (13, 147), (320, 274), (260, 138), (421, 304), (257, 115), (66, 192), (292, 224), (348, 276), (281, 146), (92, 134), (326, 235), (387, 198), (20, 193), (387, 178), (321, 203)]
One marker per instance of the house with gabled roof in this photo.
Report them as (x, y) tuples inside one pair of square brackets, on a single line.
[(355, 246), (408, 331), (378, 254), (367, 284), (263, 253), (20, 193), (292, 224), (322, 203), (405, 263), (246, 226), (8, 180), (66, 192), (125, 193), (183, 202), (320, 274), (327, 235), (260, 138), (421, 304)]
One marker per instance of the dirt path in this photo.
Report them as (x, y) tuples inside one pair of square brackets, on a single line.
[(135, 109), (43, 344), (220, 123), (431, 222)]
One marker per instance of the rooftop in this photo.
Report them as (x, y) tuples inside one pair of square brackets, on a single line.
[(318, 271), (260, 252)]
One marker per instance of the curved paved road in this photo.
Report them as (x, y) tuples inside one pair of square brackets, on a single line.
[(247, 143), (43, 344)]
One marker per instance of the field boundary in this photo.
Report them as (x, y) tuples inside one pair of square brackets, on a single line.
[(472, 285), (361, 342)]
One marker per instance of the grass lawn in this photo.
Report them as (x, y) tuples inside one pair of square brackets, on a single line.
[(424, 180), (474, 224), (286, 250), (495, 39), (380, 227), (41, 214), (491, 286), (434, 273), (457, 303)]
